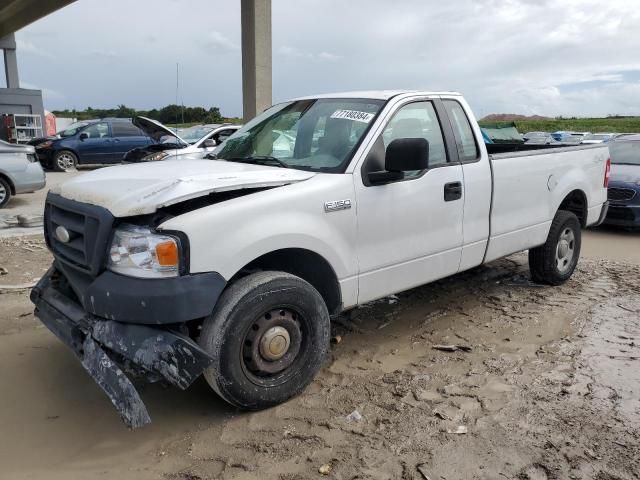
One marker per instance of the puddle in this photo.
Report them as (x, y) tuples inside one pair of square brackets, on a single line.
[(612, 353)]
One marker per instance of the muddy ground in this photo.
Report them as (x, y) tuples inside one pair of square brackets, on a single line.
[(550, 389)]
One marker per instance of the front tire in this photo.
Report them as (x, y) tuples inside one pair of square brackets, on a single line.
[(554, 262), (65, 161), (269, 335), (5, 192)]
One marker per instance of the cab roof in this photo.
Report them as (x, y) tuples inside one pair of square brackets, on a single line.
[(373, 94)]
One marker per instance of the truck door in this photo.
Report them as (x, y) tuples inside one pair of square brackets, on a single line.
[(477, 183), (409, 231)]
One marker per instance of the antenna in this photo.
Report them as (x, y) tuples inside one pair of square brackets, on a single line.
[(177, 87)]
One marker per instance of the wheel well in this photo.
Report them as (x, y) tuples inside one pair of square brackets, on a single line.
[(305, 264), (576, 203), (12, 187)]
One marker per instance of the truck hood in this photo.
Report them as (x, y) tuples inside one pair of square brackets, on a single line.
[(140, 189)]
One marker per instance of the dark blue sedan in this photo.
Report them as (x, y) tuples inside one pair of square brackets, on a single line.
[(624, 185), (93, 142)]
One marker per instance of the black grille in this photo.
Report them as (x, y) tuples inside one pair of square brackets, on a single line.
[(621, 194), (89, 229)]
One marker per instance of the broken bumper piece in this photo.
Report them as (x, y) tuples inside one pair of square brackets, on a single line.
[(107, 348)]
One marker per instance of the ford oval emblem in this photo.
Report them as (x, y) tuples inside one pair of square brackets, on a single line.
[(62, 234)]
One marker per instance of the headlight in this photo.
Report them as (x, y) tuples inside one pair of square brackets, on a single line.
[(137, 252), (154, 157), (46, 144)]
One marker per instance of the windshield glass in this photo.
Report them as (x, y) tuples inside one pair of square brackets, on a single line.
[(627, 153), (73, 129), (192, 134), (317, 135)]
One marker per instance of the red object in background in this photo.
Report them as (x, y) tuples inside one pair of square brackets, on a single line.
[(50, 124)]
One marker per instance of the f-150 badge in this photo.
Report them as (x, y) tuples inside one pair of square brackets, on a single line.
[(337, 205)]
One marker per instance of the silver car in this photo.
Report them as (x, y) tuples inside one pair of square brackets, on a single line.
[(20, 171)]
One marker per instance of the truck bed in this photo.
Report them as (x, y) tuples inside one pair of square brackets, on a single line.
[(529, 187)]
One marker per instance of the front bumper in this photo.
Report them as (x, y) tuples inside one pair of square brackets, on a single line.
[(45, 156), (108, 348)]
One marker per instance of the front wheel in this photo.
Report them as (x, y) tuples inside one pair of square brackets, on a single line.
[(64, 161), (554, 262), (268, 335)]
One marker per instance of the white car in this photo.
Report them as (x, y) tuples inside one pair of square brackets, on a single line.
[(232, 268), (20, 171), (169, 144), (592, 138)]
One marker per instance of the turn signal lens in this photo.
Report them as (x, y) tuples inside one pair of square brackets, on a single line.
[(167, 254), (607, 173)]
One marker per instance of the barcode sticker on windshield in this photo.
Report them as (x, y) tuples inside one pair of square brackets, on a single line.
[(354, 115)]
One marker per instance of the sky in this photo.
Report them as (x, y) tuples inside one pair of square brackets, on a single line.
[(544, 57)]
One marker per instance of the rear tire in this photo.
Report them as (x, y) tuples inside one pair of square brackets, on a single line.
[(65, 161), (269, 335), (554, 262), (5, 192)]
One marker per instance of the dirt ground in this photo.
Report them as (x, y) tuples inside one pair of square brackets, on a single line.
[(548, 389)]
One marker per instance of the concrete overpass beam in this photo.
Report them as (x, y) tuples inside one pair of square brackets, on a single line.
[(256, 56)]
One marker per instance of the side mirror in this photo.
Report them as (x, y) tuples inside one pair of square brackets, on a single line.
[(402, 155), (210, 143), (84, 136)]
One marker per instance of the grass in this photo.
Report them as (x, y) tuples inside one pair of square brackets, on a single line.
[(609, 124)]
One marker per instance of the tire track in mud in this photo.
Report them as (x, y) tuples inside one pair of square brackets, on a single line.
[(522, 393)]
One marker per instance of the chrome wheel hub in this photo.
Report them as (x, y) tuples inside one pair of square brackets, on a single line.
[(3, 193), (565, 250), (65, 161)]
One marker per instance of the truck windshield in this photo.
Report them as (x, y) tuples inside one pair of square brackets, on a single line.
[(318, 135)]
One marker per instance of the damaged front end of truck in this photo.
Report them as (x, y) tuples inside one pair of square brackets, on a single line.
[(119, 327)]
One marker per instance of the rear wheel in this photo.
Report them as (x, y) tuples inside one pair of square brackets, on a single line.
[(554, 262), (64, 161), (5, 192), (268, 335)]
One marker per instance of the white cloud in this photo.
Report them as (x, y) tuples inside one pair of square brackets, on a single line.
[(47, 93), (218, 43), (106, 54), (329, 56), (293, 52), (29, 48)]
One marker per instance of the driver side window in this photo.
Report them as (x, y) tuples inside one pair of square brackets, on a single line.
[(97, 130), (414, 120)]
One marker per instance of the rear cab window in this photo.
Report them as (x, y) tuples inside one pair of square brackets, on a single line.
[(466, 144)]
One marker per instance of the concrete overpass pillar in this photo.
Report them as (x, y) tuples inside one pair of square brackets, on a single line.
[(256, 56), (8, 44)]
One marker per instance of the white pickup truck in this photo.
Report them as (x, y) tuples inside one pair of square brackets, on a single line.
[(232, 267)]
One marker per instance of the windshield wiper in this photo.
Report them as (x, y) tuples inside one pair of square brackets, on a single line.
[(259, 160)]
